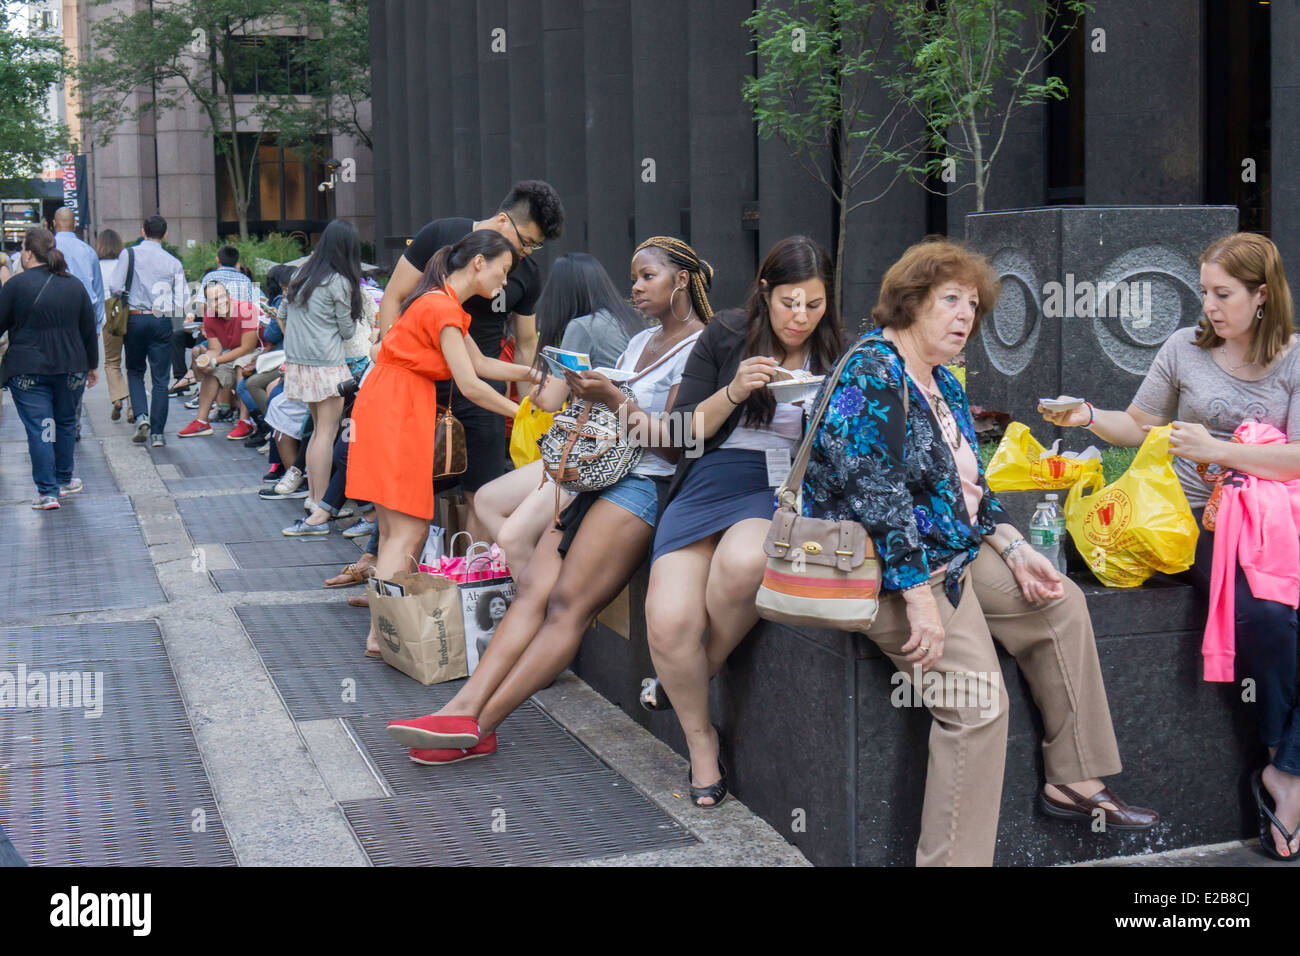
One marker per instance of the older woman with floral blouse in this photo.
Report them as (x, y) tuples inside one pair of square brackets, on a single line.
[(896, 451)]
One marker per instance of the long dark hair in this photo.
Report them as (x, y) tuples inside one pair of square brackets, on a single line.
[(39, 241), (792, 260), (579, 285), (337, 253), (485, 242)]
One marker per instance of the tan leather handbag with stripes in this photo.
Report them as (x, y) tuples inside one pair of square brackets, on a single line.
[(819, 573)]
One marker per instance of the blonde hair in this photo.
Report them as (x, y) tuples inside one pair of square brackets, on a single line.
[(1253, 260)]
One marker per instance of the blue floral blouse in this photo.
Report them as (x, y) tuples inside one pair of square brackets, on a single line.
[(898, 478)]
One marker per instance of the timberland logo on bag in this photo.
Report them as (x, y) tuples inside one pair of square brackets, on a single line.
[(388, 630), (1108, 518), (439, 622)]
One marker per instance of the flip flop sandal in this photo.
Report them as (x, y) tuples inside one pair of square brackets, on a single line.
[(1267, 816), (653, 697)]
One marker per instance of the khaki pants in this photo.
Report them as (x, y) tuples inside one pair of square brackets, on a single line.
[(1054, 647), (117, 388)]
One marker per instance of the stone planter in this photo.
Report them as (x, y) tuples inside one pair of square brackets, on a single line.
[(1089, 294)]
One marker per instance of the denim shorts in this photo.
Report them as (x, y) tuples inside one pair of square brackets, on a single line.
[(637, 495)]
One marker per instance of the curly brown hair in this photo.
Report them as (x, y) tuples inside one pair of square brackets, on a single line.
[(933, 260)]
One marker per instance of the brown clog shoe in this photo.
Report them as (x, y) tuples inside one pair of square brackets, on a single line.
[(1080, 809)]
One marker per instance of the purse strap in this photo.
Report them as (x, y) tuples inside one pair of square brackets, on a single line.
[(794, 479), (689, 340)]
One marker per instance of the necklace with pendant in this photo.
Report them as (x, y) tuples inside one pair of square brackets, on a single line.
[(1234, 368)]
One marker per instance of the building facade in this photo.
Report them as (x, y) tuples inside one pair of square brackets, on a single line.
[(169, 164), (1174, 102)]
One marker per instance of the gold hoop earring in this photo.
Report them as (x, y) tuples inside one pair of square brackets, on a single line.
[(673, 308)]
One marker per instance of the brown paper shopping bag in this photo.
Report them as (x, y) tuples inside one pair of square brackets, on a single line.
[(421, 632)]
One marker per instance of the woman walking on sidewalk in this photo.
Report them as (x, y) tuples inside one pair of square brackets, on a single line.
[(53, 355), (108, 247)]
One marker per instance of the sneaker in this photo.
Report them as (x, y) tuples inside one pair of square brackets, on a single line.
[(362, 529), (264, 448), (300, 528), (290, 483), (224, 414), (433, 758), (193, 402), (117, 412), (141, 430), (46, 503), (271, 494), (71, 488), (258, 436), (347, 511), (435, 731), (275, 474), (242, 429), (157, 441), (195, 429)]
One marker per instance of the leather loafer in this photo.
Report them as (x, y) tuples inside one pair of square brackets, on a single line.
[(1080, 809)]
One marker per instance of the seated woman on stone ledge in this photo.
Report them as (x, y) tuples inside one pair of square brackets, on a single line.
[(1239, 362), (896, 451), (708, 548)]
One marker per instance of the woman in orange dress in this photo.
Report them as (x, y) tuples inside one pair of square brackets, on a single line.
[(390, 461)]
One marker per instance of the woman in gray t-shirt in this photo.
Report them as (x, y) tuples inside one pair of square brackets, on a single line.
[(1241, 362)]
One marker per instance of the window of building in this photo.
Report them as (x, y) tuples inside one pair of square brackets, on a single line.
[(284, 186), (271, 66), (1065, 118)]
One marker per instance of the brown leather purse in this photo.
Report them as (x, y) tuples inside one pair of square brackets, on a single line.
[(449, 455)]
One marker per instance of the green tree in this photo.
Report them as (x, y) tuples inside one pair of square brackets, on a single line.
[(812, 92), (201, 51), (970, 66), (28, 66)]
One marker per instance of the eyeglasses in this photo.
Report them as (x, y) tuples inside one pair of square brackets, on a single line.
[(526, 246)]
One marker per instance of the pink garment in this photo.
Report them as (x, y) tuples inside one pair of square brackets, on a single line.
[(968, 469), (1258, 527)]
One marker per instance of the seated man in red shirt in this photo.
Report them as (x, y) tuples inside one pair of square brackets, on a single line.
[(231, 326)]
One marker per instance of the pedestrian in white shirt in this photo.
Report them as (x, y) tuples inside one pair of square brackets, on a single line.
[(153, 282)]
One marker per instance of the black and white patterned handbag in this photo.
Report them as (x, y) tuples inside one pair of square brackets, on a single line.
[(585, 448)]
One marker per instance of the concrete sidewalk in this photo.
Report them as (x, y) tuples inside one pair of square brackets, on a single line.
[(279, 782)]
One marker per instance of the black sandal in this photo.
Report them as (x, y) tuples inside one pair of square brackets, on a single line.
[(716, 792), (1267, 817), (653, 696)]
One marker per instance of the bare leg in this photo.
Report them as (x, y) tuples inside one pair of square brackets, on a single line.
[(207, 392), (593, 574), (400, 538), (675, 628), (287, 446), (498, 499), (325, 417), (1285, 791), (519, 535), (515, 632)]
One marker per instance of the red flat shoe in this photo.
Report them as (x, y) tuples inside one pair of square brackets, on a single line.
[(433, 758), (434, 731)]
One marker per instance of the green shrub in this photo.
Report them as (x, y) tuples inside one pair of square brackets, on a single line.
[(258, 254)]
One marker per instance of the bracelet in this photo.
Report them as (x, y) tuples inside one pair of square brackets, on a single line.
[(1092, 414), (726, 390), (1012, 546), (913, 587)]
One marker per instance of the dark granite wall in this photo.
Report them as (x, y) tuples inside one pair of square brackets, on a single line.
[(1285, 129)]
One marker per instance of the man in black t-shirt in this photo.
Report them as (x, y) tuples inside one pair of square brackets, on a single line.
[(530, 215)]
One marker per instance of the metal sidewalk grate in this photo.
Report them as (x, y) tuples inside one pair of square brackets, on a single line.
[(90, 466), (119, 789), (590, 816), (61, 573), (313, 576), (296, 552), (227, 519)]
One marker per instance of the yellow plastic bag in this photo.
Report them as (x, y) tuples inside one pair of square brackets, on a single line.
[(530, 425), (1137, 525), (1016, 465)]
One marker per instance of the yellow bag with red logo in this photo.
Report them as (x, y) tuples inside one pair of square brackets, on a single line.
[(1018, 465), (1138, 524)]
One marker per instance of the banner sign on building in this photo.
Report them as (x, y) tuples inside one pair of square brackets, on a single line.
[(70, 185)]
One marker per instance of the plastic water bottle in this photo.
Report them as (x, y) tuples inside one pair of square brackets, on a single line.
[(1058, 514), (1042, 534)]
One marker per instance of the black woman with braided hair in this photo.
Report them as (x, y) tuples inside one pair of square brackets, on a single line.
[(602, 537)]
